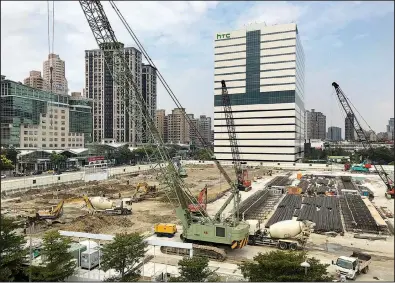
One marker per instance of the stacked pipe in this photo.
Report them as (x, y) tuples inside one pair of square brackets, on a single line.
[(356, 215), (253, 203), (285, 209), (323, 211), (303, 184)]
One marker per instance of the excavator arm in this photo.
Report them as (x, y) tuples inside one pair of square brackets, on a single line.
[(362, 136)]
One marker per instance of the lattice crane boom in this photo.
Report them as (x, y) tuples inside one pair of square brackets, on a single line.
[(362, 136)]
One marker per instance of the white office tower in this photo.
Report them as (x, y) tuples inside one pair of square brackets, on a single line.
[(263, 67)]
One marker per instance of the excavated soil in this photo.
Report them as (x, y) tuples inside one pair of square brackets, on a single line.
[(145, 213)]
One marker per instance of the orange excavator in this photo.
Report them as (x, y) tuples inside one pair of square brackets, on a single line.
[(202, 201)]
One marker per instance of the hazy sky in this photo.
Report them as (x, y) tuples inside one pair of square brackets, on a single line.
[(351, 43)]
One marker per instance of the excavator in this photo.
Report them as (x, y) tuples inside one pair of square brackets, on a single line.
[(202, 201), (204, 231), (364, 139), (143, 191), (94, 205)]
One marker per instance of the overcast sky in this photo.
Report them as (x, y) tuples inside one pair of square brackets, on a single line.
[(351, 43)]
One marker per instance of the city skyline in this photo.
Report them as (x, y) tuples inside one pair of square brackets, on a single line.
[(365, 28)]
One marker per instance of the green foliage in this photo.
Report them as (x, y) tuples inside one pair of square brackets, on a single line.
[(10, 153), (5, 163), (57, 260), (57, 159), (202, 154), (194, 269), (282, 266), (12, 251), (122, 254), (382, 155)]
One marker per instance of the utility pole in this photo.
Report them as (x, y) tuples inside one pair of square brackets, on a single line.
[(31, 228)]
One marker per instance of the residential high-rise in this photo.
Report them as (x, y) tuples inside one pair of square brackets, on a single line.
[(160, 123), (263, 67), (390, 129), (59, 81), (48, 120), (193, 131), (204, 127), (149, 94), (334, 134), (113, 119), (315, 125), (177, 127), (349, 132), (34, 80)]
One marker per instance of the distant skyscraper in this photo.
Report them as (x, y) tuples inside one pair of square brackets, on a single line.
[(334, 134), (160, 123), (315, 125), (178, 127), (112, 122), (205, 128), (149, 94), (349, 134), (34, 80), (59, 81), (390, 129)]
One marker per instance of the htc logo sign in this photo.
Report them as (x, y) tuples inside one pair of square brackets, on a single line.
[(223, 35)]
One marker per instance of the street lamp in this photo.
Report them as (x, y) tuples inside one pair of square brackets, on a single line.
[(306, 265)]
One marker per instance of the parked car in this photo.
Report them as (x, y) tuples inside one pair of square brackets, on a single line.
[(3, 176), (18, 174)]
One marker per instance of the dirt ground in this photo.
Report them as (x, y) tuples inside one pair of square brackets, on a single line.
[(75, 216)]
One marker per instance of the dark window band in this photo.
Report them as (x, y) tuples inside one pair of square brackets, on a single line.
[(268, 97), (248, 118), (256, 110), (257, 125), (268, 48), (233, 87), (278, 62)]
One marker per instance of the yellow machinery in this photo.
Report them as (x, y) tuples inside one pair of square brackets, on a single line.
[(165, 230), (143, 190), (52, 213)]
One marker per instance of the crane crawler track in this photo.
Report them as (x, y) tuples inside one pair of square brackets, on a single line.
[(198, 250)]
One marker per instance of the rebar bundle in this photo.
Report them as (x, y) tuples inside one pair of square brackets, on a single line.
[(285, 209), (323, 211)]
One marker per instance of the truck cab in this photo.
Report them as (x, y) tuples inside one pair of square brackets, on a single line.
[(351, 266)]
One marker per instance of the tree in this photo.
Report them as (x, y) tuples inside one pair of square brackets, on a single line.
[(122, 254), (10, 153), (57, 159), (5, 163), (57, 263), (194, 269), (284, 266), (12, 251)]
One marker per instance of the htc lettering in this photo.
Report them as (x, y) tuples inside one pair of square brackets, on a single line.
[(223, 35)]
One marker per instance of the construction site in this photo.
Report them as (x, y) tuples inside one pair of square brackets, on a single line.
[(347, 218), (225, 211)]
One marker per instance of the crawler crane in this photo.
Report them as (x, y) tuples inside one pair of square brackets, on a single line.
[(200, 229), (390, 193)]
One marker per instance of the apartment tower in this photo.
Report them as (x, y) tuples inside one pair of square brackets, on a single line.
[(315, 125), (34, 80), (263, 67), (149, 95), (59, 81), (113, 119)]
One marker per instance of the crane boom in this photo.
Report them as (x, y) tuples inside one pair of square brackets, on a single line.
[(195, 228), (235, 153), (362, 136)]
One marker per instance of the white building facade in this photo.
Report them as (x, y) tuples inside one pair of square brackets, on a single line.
[(263, 67)]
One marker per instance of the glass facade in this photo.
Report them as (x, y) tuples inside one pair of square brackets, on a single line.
[(22, 104), (249, 98)]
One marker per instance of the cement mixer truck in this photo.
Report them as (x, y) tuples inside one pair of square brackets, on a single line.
[(106, 206), (285, 235)]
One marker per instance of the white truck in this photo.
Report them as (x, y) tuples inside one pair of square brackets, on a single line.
[(351, 266), (287, 234)]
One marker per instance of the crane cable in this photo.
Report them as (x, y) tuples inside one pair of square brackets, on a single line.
[(51, 41)]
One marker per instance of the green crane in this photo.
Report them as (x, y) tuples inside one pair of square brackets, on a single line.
[(199, 228)]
